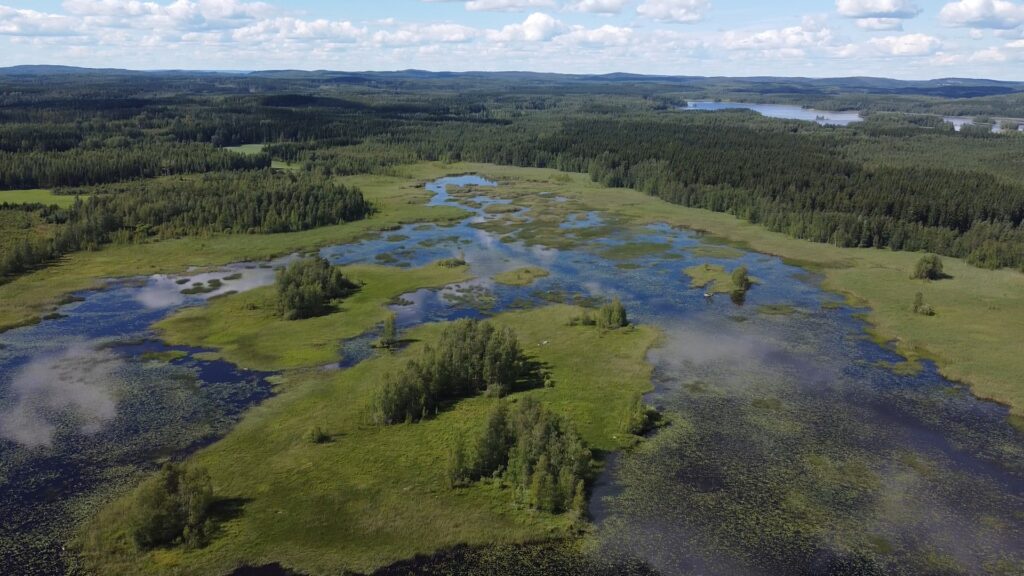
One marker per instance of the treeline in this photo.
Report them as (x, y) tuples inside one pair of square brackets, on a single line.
[(469, 358), (532, 450), (258, 202), (82, 167), (789, 178)]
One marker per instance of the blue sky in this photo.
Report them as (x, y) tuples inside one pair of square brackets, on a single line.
[(894, 38)]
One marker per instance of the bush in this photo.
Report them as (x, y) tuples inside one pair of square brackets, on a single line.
[(920, 307), (306, 287), (612, 316), (929, 267), (172, 508), (317, 435)]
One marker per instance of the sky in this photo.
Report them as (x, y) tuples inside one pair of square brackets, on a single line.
[(910, 39)]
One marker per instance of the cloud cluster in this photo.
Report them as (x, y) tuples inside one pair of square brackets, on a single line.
[(664, 36)]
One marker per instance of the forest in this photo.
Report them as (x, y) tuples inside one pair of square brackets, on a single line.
[(897, 181)]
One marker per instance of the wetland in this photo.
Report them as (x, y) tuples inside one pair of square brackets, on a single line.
[(790, 446)]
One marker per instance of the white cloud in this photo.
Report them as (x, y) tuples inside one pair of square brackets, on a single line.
[(507, 5), (418, 34), (1016, 45), (536, 28), (877, 8), (685, 11), (599, 6), (880, 24), (16, 22), (287, 28), (906, 45), (988, 55), (606, 35), (787, 42), (999, 14)]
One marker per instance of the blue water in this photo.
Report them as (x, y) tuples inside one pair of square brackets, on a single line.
[(784, 111), (815, 365)]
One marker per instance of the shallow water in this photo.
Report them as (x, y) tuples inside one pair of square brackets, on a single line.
[(784, 111), (792, 447)]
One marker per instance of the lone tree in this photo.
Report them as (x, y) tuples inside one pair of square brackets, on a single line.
[(929, 267), (741, 279), (389, 337)]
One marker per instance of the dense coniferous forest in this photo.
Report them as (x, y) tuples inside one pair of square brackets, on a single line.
[(127, 143)]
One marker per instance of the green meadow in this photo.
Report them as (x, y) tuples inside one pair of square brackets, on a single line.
[(247, 330), (37, 196), (373, 495)]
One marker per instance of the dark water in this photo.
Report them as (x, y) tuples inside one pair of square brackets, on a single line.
[(792, 447)]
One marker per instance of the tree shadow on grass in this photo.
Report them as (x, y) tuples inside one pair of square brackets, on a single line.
[(223, 511)]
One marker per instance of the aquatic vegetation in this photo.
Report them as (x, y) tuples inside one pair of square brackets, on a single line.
[(635, 250), (716, 280), (776, 309), (521, 276)]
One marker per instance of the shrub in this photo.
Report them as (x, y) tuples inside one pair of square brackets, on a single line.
[(612, 316), (929, 267), (317, 435), (920, 307), (389, 336), (172, 508)]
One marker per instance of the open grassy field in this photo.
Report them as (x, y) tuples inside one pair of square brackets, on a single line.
[(36, 196), (247, 331), (31, 296), (256, 149), (373, 495)]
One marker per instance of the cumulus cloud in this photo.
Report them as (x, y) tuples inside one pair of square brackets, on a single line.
[(998, 14), (685, 11), (77, 386), (508, 5), (17, 22), (906, 45), (877, 8), (791, 41), (536, 28), (606, 35), (599, 6), (418, 34), (880, 23)]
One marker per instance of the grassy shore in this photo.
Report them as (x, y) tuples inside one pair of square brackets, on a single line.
[(29, 297), (373, 495), (713, 278), (247, 331)]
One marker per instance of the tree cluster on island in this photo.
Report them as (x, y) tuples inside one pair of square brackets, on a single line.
[(470, 357), (306, 288)]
